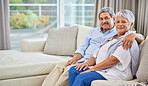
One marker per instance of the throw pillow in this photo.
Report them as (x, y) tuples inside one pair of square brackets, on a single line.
[(54, 75), (63, 79), (142, 73), (61, 41)]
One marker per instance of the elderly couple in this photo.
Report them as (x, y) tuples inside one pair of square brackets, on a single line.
[(109, 52)]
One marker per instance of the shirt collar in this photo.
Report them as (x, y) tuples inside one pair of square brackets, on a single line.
[(109, 31)]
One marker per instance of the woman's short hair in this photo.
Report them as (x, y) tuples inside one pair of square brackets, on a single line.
[(126, 14)]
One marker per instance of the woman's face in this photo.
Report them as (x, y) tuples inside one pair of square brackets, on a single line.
[(122, 25)]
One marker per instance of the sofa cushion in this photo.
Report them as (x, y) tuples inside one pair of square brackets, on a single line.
[(63, 80), (61, 41), (113, 83), (142, 73), (33, 45), (14, 64), (25, 81), (54, 75), (82, 32), (141, 50)]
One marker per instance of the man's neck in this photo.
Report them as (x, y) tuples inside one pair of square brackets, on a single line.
[(105, 30)]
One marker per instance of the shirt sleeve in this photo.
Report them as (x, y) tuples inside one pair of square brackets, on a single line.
[(85, 44), (141, 36), (123, 56)]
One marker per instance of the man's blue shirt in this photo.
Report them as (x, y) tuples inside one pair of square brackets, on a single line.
[(93, 41)]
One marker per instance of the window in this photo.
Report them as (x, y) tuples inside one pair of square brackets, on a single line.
[(79, 12), (31, 18)]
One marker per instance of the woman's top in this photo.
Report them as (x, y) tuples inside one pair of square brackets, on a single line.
[(120, 71)]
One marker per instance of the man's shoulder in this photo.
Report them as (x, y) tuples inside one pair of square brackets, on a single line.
[(95, 29)]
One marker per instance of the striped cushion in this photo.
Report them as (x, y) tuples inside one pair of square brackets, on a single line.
[(61, 41)]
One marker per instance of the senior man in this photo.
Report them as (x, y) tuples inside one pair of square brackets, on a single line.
[(92, 41)]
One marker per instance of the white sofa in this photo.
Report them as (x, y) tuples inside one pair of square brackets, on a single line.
[(31, 66)]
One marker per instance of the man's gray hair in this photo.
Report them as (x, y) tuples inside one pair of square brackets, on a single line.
[(126, 14), (107, 9)]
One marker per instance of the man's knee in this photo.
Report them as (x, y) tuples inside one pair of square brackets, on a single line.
[(72, 69)]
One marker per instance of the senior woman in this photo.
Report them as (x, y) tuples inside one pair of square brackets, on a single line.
[(110, 61)]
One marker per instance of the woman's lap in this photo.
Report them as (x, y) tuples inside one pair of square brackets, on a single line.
[(84, 79)]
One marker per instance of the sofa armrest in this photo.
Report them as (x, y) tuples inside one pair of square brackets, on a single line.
[(113, 82), (33, 45)]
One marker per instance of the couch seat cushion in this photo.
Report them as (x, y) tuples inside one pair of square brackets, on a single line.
[(113, 83), (21, 64)]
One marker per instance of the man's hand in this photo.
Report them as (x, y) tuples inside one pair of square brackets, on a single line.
[(128, 41), (76, 57), (81, 65), (71, 62)]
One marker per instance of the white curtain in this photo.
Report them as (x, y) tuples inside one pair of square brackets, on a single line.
[(117, 5), (4, 25), (142, 21)]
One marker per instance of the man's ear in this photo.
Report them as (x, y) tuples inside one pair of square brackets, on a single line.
[(114, 19)]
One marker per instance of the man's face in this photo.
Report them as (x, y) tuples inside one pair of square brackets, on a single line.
[(106, 21)]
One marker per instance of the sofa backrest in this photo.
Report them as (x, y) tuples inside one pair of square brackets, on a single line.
[(82, 32), (141, 45), (142, 73)]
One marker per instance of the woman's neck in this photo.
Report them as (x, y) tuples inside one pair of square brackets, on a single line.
[(118, 35)]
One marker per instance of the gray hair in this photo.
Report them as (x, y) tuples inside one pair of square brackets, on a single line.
[(107, 9), (126, 14)]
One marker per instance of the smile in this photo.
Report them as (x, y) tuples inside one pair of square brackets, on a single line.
[(105, 24), (120, 28)]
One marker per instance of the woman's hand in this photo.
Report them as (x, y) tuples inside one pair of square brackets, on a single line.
[(81, 65), (90, 70)]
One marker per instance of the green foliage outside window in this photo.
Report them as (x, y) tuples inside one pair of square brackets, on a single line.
[(30, 19), (21, 20), (16, 7), (40, 1), (26, 19), (18, 21), (43, 22)]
